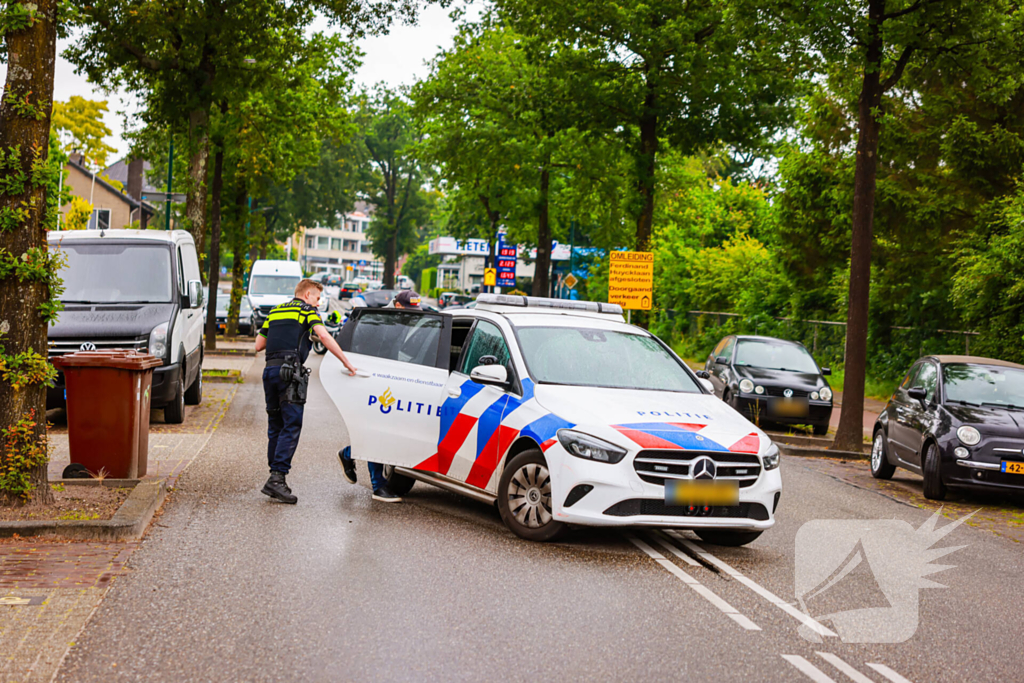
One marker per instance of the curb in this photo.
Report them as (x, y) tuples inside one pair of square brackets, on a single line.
[(817, 452), (128, 523)]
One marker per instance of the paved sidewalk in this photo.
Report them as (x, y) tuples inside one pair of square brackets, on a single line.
[(872, 407)]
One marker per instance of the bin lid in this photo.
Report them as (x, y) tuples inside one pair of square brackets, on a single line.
[(121, 359)]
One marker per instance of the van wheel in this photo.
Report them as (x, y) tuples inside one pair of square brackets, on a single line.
[(174, 412), (524, 498), (398, 484), (194, 394), (934, 489), (727, 537)]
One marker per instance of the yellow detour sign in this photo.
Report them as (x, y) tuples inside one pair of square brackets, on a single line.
[(631, 280), (490, 277)]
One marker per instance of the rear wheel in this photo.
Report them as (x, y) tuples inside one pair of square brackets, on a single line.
[(727, 537), (398, 484), (524, 498), (881, 468), (934, 489), (174, 412)]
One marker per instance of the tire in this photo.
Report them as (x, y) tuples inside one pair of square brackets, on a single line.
[(934, 489), (174, 412), (398, 484), (727, 537), (524, 498), (319, 348), (881, 468), (194, 394), (819, 430)]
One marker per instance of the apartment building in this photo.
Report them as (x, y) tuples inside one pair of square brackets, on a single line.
[(343, 249)]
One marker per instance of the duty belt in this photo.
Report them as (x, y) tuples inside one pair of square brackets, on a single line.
[(281, 357)]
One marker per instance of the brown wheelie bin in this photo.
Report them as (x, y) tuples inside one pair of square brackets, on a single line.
[(108, 409)]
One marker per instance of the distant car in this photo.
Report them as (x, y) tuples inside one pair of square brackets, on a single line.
[(452, 307), (958, 421), (771, 380), (349, 289), (449, 298), (245, 314)]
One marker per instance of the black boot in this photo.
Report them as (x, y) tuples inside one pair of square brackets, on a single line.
[(276, 487)]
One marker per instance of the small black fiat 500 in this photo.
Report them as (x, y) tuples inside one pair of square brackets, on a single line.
[(771, 380), (957, 421)]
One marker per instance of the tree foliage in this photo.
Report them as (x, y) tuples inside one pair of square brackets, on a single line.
[(82, 120)]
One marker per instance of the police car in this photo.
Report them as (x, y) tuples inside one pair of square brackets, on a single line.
[(559, 412)]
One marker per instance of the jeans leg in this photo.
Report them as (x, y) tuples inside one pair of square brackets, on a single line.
[(275, 423), (291, 414), (377, 479)]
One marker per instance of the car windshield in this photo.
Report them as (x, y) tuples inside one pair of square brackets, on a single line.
[(601, 358), (273, 284), (770, 355), (116, 273), (224, 300), (983, 384)]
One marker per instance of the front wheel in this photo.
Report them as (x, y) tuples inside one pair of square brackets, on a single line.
[(881, 468), (727, 537), (398, 484), (194, 394), (934, 489), (524, 498), (820, 430), (174, 412)]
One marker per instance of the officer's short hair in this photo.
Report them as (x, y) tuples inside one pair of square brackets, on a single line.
[(305, 285)]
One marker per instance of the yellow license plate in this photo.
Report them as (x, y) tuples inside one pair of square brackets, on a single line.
[(702, 492), (1011, 467)]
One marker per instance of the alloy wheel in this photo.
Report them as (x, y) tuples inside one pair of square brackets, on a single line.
[(529, 496), (877, 452)]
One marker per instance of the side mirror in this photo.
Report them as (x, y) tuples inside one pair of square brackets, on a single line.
[(917, 393), (489, 374), (721, 360), (706, 383), (826, 371), (195, 293), (703, 374)]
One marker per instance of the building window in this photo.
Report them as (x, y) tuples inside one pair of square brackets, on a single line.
[(323, 242), (335, 244), (100, 219), (310, 243), (366, 247), (351, 245)]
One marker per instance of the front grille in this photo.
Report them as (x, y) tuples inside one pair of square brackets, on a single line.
[(59, 347), (266, 308), (655, 467), (777, 391), (657, 507)]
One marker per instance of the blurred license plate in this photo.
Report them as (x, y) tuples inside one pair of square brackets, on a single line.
[(702, 493), (788, 407), (1013, 467)]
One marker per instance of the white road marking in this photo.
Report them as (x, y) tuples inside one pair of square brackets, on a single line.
[(676, 551), (888, 673), (808, 669), (696, 585), (809, 621), (852, 673)]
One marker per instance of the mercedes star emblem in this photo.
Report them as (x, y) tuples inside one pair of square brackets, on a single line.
[(703, 468), (87, 346), (788, 393)]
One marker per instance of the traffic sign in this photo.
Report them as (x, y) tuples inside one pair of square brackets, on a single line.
[(631, 279), (490, 277), (570, 281)]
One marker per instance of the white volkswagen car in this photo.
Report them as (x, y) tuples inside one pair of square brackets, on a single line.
[(557, 411)]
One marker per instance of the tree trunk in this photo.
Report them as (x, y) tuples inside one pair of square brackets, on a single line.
[(542, 266), (214, 279), (239, 246), (195, 200), (390, 258), (850, 434), (646, 166), (31, 53)]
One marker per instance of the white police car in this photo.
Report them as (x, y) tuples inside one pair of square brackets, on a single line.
[(559, 412)]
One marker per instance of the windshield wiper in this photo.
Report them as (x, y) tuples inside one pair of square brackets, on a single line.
[(1002, 405), (963, 403)]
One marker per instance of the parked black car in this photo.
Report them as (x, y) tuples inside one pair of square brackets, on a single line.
[(957, 421), (771, 380)]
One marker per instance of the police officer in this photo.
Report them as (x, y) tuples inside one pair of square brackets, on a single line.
[(285, 336)]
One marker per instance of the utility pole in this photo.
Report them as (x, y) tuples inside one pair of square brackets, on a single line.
[(170, 186)]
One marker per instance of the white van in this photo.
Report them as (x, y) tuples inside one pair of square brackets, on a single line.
[(134, 289), (271, 283)]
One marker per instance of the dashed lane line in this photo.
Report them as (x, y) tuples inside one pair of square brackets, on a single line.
[(809, 621), (888, 673), (696, 585), (850, 672), (808, 669)]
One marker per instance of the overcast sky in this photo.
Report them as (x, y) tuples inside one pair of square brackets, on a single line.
[(397, 58)]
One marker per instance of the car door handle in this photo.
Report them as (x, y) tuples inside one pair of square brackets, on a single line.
[(455, 393)]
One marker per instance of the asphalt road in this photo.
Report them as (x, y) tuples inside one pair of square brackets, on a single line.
[(232, 586)]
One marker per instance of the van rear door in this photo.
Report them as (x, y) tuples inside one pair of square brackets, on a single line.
[(391, 407)]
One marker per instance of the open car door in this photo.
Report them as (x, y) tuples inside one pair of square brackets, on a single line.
[(391, 407)]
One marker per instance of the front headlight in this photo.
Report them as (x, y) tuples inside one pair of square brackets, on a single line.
[(158, 341), (589, 447), (814, 395), (746, 386), (826, 394), (969, 436), (771, 458)]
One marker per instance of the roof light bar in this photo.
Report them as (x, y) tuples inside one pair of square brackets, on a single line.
[(542, 302)]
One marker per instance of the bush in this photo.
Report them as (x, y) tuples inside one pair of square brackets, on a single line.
[(77, 216)]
